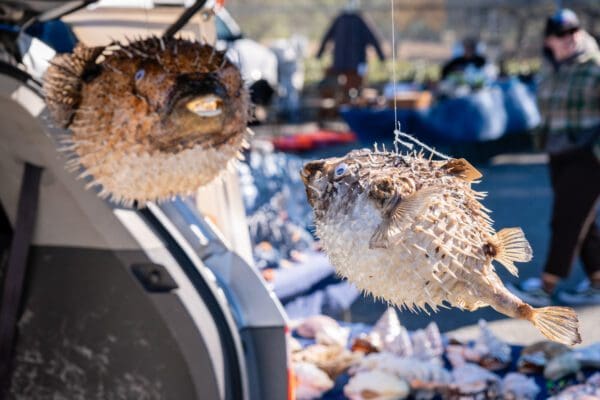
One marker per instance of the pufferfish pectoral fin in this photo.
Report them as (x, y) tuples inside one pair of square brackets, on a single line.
[(463, 169), (398, 210), (509, 245)]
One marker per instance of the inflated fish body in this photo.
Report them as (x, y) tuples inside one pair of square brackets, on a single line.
[(150, 119), (410, 230)]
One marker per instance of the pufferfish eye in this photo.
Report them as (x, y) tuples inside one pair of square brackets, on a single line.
[(139, 74), (340, 171)]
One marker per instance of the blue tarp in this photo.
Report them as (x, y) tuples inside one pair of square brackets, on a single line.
[(505, 107)]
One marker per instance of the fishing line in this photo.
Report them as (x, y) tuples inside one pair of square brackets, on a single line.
[(396, 125)]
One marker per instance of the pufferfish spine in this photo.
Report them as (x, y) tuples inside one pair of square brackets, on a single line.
[(64, 79), (150, 119)]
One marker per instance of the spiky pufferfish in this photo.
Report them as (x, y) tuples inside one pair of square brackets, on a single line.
[(410, 230), (150, 119)]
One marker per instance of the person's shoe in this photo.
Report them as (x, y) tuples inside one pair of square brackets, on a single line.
[(530, 291), (583, 294)]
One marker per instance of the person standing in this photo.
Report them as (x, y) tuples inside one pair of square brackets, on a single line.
[(351, 34), (569, 100)]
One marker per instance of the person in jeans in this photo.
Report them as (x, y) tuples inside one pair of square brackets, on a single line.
[(569, 99)]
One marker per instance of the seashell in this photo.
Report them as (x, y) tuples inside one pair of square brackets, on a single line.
[(317, 353), (590, 390), (311, 382), (332, 335), (376, 385), (422, 348), (435, 338), (561, 366), (471, 373), (472, 381), (495, 354), (401, 345), (334, 360), (460, 354), (363, 344), (549, 349), (532, 363), (309, 327), (517, 386), (594, 379), (409, 369), (589, 356), (293, 344), (455, 355), (386, 328), (534, 357)]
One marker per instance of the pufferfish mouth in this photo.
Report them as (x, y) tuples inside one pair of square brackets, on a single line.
[(206, 106), (200, 93), (313, 180)]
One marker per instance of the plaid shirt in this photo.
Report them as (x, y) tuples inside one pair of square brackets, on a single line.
[(569, 100)]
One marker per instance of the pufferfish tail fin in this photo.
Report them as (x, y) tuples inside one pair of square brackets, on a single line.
[(63, 81), (509, 245), (559, 324)]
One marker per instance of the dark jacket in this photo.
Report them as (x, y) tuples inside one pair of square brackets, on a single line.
[(351, 36)]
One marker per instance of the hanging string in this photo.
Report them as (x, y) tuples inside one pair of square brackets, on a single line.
[(413, 139), (398, 134), (396, 125)]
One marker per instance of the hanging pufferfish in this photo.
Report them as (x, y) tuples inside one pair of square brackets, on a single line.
[(410, 230), (150, 119)]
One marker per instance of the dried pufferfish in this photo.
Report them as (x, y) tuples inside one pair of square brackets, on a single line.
[(150, 119), (411, 230)]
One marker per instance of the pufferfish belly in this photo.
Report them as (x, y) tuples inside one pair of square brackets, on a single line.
[(432, 260)]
